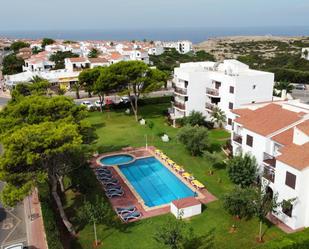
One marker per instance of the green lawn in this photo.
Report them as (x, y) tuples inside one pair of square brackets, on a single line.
[(116, 130)]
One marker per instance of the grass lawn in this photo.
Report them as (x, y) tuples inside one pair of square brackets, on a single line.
[(117, 130)]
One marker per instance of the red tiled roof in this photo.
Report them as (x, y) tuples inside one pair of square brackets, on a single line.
[(241, 112), (304, 127), (268, 119), (98, 60), (78, 59), (284, 138), (186, 202), (296, 156)]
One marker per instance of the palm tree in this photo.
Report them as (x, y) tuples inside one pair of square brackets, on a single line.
[(36, 79), (218, 117), (76, 87), (284, 85)]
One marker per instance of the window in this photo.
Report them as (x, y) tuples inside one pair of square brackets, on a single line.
[(229, 121), (253, 87), (186, 98), (249, 140), (231, 106), (231, 89), (186, 83), (287, 208), (290, 180)]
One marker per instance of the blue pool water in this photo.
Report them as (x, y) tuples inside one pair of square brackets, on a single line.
[(116, 160), (156, 184)]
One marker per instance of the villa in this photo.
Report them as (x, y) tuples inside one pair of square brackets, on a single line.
[(203, 86), (277, 134)]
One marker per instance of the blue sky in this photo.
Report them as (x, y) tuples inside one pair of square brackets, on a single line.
[(141, 14)]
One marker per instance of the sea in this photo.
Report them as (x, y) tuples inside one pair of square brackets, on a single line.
[(195, 35)]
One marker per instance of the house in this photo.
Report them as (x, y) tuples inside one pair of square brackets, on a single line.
[(305, 53), (277, 135), (98, 62), (76, 63), (181, 47), (39, 62), (204, 86), (24, 53)]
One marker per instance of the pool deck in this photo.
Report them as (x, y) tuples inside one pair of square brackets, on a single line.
[(130, 196)]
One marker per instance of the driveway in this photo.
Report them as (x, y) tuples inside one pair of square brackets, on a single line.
[(12, 224)]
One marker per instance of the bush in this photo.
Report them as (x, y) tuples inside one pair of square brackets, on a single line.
[(156, 100), (195, 139), (242, 170), (194, 118), (49, 219)]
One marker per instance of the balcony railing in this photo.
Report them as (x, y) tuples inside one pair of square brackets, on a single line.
[(269, 160), (180, 105), (237, 138), (269, 173), (179, 90), (212, 92), (210, 106)]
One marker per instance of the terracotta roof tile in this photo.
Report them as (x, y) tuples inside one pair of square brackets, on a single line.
[(268, 119), (296, 156), (186, 202), (78, 59), (241, 112), (98, 60), (284, 138), (304, 127)]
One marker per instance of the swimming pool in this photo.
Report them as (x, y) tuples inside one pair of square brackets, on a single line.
[(116, 159), (156, 184)]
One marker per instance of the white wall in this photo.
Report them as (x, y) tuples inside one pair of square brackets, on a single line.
[(186, 212)]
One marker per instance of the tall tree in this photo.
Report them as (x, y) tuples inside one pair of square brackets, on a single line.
[(94, 53), (15, 46), (59, 57), (284, 85), (106, 82), (34, 154), (88, 77), (242, 170), (137, 78), (218, 117), (77, 87)]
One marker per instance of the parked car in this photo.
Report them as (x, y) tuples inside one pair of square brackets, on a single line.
[(126, 99), (300, 87), (88, 104), (97, 103)]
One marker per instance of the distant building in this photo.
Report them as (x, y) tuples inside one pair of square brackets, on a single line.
[(305, 53), (39, 62), (277, 135), (204, 86), (182, 47)]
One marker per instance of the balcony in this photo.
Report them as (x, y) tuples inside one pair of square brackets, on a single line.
[(212, 92), (237, 138), (269, 173), (180, 90), (180, 105), (269, 160), (210, 106)]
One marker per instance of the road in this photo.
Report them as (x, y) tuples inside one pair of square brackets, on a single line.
[(303, 95), (12, 224)]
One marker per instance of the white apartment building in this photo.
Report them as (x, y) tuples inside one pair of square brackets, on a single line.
[(182, 47), (277, 134), (204, 86), (305, 53), (38, 62)]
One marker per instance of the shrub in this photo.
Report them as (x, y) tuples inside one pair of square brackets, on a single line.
[(242, 170), (195, 139), (194, 118)]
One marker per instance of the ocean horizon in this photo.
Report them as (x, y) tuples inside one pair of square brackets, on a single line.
[(195, 35)]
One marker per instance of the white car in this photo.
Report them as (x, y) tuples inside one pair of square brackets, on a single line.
[(15, 246), (98, 103), (88, 104)]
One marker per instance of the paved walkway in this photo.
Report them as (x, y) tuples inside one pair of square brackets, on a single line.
[(35, 226)]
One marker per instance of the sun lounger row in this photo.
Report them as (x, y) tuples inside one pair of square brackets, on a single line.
[(189, 177), (128, 213), (111, 185)]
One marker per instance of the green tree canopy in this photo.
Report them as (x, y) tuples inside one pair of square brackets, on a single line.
[(242, 170), (94, 53), (137, 78), (195, 118), (218, 117), (25, 89), (194, 138), (59, 57), (15, 46), (47, 41), (12, 64), (88, 77)]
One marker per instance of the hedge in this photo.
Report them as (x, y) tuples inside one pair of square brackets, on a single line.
[(49, 219), (155, 100), (299, 240)]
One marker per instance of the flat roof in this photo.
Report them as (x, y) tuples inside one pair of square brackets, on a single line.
[(186, 202)]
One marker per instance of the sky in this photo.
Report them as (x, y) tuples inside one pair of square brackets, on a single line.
[(145, 14)]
